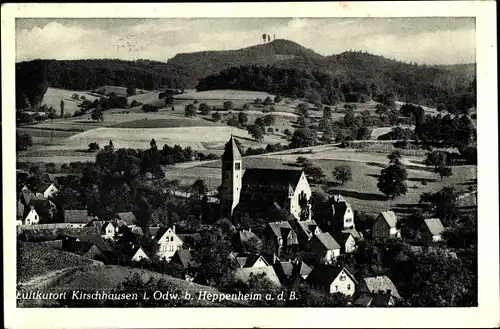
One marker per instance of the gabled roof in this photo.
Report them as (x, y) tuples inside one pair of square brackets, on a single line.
[(327, 241), (381, 300), (231, 151), (261, 179), (153, 230), (434, 225), (276, 227), (363, 300), (303, 269), (341, 237), (390, 218), (380, 284), (252, 259), (355, 234), (307, 226), (324, 275), (243, 274), (190, 238), (77, 216), (184, 257), (127, 217), (287, 268)]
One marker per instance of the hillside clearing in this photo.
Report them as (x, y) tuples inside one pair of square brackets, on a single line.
[(53, 98), (224, 94)]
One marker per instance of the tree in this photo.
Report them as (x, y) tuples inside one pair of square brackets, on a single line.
[(315, 173), (287, 133), (242, 118), (199, 188), (438, 159), (131, 89), (278, 98), (23, 141), (267, 101), (303, 109), (327, 113), (212, 258), (303, 161), (444, 204), (93, 147), (216, 116), (205, 109), (233, 121), (349, 118), (61, 105), (190, 110), (264, 37), (302, 138), (97, 114), (342, 173), (256, 132), (149, 108), (260, 122), (228, 105), (392, 180), (394, 157), (269, 120)]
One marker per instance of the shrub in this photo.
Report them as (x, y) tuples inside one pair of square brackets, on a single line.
[(149, 108), (216, 116)]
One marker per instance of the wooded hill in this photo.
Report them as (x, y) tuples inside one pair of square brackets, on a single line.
[(356, 72)]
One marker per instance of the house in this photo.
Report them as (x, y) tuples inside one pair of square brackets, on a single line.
[(255, 190), (386, 226), (182, 257), (332, 279), (378, 284), (168, 242), (305, 230), (190, 240), (323, 246), (49, 190), (243, 238), (126, 219), (77, 217), (244, 274), (291, 273), (90, 244), (243, 260), (282, 235), (134, 253), (32, 217), (346, 241), (107, 229), (355, 234), (362, 299), (434, 229), (343, 215)]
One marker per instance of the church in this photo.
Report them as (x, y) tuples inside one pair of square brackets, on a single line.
[(260, 190)]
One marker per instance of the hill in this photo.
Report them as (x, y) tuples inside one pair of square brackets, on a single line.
[(354, 72)]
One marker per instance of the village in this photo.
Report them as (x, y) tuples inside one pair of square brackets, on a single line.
[(291, 249)]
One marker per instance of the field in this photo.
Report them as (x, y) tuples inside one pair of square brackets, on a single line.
[(53, 98), (224, 94)]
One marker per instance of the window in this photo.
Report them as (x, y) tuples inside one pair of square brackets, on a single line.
[(348, 287), (342, 278), (237, 166), (336, 288)]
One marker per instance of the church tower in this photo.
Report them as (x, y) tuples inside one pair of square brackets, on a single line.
[(232, 172)]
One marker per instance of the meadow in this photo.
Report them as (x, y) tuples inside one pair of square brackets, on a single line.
[(53, 98)]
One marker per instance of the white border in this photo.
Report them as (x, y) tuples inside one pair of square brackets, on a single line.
[(486, 315)]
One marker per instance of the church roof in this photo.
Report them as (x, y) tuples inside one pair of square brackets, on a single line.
[(271, 179), (231, 151)]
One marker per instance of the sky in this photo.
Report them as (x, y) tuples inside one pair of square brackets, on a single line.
[(441, 40)]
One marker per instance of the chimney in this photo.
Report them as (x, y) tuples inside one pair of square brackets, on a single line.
[(173, 228)]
